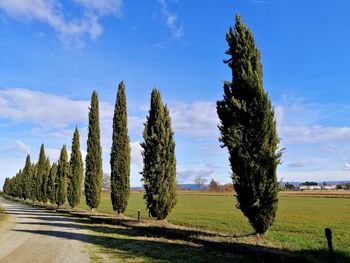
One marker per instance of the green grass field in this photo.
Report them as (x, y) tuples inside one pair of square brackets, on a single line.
[(300, 223)]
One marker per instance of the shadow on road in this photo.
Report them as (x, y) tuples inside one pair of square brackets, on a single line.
[(160, 243)]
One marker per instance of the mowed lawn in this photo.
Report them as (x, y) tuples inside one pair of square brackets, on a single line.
[(300, 223)]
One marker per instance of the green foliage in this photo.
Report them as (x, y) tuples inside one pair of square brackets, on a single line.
[(27, 179), (52, 184), (76, 172), (18, 185), (41, 170), (45, 180), (120, 154), (248, 130), (7, 186), (34, 183), (93, 173), (62, 174), (159, 170)]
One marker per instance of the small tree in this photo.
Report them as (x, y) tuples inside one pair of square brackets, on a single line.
[(120, 154), (214, 186), (40, 175), (159, 170), (7, 187), (248, 130), (76, 176), (93, 172), (62, 174), (27, 177), (200, 180), (52, 184), (45, 180), (35, 181)]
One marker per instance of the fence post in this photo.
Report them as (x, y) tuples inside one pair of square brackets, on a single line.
[(328, 233), (138, 215)]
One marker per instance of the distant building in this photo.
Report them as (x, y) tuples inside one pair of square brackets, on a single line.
[(329, 187), (317, 187)]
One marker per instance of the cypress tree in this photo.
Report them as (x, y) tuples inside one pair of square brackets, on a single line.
[(159, 170), (34, 183), (16, 185), (76, 172), (93, 172), (6, 187), (62, 174), (52, 184), (45, 180), (248, 130), (120, 154), (40, 174), (27, 179)]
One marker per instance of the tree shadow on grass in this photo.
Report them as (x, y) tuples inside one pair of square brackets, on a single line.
[(122, 246), (122, 238), (124, 235), (322, 255)]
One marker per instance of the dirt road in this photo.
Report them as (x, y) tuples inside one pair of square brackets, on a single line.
[(36, 235)]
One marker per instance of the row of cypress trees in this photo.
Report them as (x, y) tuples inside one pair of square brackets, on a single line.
[(248, 131), (44, 182)]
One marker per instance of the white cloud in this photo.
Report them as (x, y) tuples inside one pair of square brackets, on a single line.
[(188, 175), (197, 119), (299, 122), (314, 134), (23, 105), (102, 7), (346, 167), (299, 164), (171, 20), (51, 12), (136, 154), (53, 154), (22, 147)]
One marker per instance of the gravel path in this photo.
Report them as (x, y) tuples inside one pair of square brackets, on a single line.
[(33, 234)]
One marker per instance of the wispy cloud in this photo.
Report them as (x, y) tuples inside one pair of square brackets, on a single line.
[(51, 12), (197, 119), (102, 7), (188, 175), (27, 106), (171, 19), (22, 147), (45, 109), (300, 164)]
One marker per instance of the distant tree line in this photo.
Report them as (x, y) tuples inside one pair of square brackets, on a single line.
[(215, 186), (248, 131)]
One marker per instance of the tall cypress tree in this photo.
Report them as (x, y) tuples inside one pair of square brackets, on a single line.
[(52, 184), (93, 172), (45, 180), (27, 178), (34, 183), (159, 170), (7, 188), (76, 172), (40, 175), (248, 130), (62, 174), (120, 154)]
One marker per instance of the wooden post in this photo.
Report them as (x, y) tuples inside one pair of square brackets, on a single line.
[(328, 233), (138, 215)]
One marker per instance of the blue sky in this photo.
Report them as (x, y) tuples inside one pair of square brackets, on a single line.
[(55, 52)]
